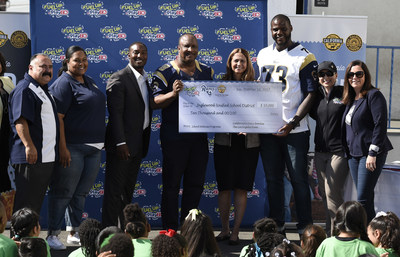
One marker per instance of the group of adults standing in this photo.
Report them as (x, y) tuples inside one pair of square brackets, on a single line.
[(58, 133)]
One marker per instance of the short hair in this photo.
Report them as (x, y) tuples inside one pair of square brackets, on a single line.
[(135, 229), (104, 234), (198, 231), (281, 17), (351, 218), (3, 65), (32, 247), (167, 246), (133, 213), (312, 237), (36, 56), (187, 34), (23, 221), (88, 232), (137, 43), (119, 244)]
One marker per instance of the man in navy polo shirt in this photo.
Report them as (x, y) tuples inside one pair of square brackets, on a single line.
[(184, 154), (34, 143)]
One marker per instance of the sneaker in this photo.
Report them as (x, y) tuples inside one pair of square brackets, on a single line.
[(74, 239), (55, 243)]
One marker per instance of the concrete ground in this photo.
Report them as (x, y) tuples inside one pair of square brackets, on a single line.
[(227, 250)]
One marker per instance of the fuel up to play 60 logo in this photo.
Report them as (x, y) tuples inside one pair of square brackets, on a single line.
[(133, 10), (152, 33), (194, 30), (113, 33), (228, 35), (94, 10), (171, 10), (55, 54), (209, 56), (75, 33), (55, 10), (209, 11), (96, 55), (248, 12)]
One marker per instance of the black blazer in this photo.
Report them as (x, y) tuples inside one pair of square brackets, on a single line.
[(126, 114), (369, 125)]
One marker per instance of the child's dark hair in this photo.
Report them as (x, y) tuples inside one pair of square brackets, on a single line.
[(171, 245), (119, 244), (88, 232), (287, 249), (312, 237), (351, 218), (389, 225), (104, 234), (23, 221), (264, 225), (133, 213), (135, 229), (266, 243), (32, 247), (198, 231)]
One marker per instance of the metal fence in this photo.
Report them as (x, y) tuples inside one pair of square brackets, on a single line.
[(392, 51)]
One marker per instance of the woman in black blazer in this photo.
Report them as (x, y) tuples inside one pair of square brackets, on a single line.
[(364, 132)]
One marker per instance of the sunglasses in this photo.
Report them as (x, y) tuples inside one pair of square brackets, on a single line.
[(322, 74), (359, 74)]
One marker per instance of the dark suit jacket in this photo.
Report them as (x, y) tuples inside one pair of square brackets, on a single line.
[(126, 114), (369, 125)]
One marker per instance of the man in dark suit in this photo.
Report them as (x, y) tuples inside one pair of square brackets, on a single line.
[(128, 133)]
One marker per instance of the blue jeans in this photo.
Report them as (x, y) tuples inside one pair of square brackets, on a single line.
[(276, 152), (366, 180), (69, 187)]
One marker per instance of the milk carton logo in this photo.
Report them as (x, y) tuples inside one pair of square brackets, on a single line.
[(171, 10), (75, 33), (209, 56), (96, 55), (228, 35), (139, 191), (97, 190), (152, 212), (209, 11), (219, 76), (211, 145), (168, 54), (151, 167), (155, 122), (55, 10), (124, 54), (104, 76), (231, 212), (133, 10), (94, 10), (210, 189), (194, 30), (253, 55), (152, 33), (56, 54), (113, 33), (248, 12)]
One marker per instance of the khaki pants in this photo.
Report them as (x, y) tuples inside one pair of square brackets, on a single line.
[(332, 170)]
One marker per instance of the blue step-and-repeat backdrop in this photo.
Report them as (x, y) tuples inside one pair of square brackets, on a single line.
[(105, 29)]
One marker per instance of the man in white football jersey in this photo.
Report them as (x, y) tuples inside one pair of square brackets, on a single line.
[(292, 65)]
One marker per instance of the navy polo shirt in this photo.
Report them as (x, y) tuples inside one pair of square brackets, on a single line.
[(84, 107), (34, 103), (163, 80)]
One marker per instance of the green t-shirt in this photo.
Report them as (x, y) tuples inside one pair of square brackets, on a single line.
[(8, 248), (77, 253), (389, 250), (332, 247), (142, 247)]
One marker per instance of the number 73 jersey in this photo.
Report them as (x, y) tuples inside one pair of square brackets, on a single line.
[(295, 68)]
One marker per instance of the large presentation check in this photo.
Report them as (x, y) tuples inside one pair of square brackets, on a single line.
[(230, 106)]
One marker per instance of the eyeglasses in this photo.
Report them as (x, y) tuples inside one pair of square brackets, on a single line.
[(359, 74), (322, 74)]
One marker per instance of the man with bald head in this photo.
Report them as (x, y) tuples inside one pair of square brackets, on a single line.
[(184, 154), (34, 143)]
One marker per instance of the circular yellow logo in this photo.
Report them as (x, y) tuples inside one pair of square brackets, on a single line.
[(332, 42), (354, 43), (221, 89), (19, 39), (3, 38)]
